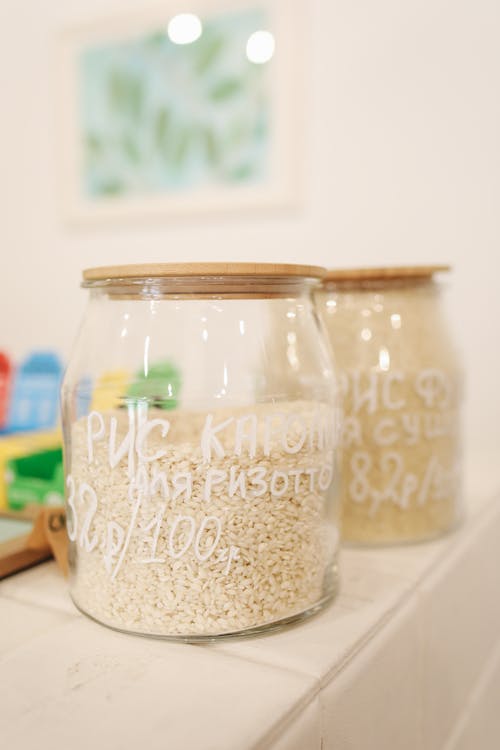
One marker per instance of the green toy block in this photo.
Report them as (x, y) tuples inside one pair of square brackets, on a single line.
[(160, 387), (35, 479)]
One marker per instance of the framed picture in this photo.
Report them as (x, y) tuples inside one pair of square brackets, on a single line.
[(169, 113)]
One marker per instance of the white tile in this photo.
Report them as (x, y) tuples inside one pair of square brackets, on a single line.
[(481, 475), (371, 591), (374, 703), (303, 733), (374, 584), (19, 623), (460, 609), (410, 561), (87, 686), (43, 585), (479, 725), (72, 681)]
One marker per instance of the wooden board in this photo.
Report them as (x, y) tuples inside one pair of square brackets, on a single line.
[(15, 555)]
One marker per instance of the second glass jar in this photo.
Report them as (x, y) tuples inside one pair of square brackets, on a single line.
[(401, 381)]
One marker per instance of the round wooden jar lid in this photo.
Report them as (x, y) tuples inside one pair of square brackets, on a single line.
[(218, 270), (384, 272)]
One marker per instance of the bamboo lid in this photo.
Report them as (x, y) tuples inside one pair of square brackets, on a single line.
[(381, 273), (173, 270)]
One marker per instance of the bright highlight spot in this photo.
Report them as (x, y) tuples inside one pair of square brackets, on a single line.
[(384, 359), (291, 351), (147, 341), (184, 28), (260, 47)]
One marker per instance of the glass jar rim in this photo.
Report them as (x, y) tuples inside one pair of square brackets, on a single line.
[(181, 280), (278, 271)]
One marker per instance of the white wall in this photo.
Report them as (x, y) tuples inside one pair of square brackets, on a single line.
[(402, 164)]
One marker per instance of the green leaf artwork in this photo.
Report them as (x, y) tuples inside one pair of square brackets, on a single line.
[(158, 117), (225, 89)]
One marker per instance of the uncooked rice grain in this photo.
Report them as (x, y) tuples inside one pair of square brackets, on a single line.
[(284, 547), (401, 453)]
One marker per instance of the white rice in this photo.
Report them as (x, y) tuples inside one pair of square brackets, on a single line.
[(400, 375), (283, 548)]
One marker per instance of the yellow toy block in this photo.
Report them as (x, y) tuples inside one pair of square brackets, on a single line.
[(109, 390)]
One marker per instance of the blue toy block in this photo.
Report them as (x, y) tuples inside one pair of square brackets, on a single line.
[(35, 393)]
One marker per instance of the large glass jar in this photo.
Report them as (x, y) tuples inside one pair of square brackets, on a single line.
[(401, 383), (200, 453)]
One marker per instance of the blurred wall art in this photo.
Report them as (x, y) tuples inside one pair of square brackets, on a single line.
[(173, 113)]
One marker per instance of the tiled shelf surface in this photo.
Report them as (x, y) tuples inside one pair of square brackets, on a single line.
[(408, 658)]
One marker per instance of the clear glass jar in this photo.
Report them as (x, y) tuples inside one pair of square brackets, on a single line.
[(401, 382), (199, 452)]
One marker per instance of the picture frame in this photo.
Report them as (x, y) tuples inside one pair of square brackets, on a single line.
[(277, 185)]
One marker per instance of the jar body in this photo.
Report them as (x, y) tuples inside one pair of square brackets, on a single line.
[(201, 490), (401, 383)]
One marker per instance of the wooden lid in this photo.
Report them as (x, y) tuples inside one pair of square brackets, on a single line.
[(172, 270), (381, 273)]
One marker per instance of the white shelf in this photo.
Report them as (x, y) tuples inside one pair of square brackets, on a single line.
[(408, 657)]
